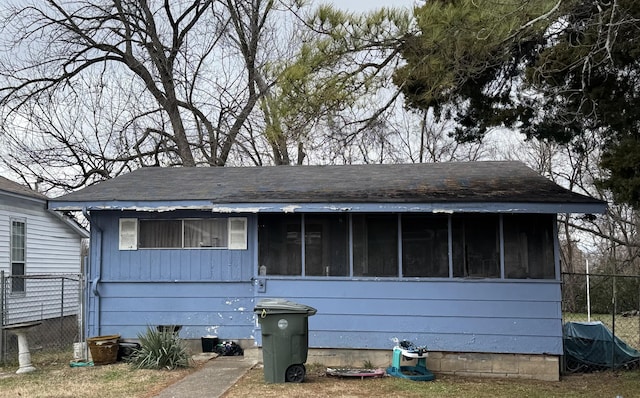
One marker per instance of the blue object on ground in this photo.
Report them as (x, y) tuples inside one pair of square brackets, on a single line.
[(419, 372)]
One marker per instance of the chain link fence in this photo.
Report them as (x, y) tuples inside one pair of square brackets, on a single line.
[(50, 306), (609, 304)]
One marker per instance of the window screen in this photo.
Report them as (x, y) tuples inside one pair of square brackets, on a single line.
[(375, 245), (425, 246), (326, 245), (476, 246), (528, 246)]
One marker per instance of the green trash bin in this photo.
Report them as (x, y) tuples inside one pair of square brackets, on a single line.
[(285, 339)]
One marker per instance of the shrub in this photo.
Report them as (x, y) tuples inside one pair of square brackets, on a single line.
[(160, 349)]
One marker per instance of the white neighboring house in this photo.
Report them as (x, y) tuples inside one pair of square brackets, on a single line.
[(36, 241)]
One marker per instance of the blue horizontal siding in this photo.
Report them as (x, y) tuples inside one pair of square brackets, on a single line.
[(441, 325), (480, 308), (468, 316), (222, 309), (436, 342), (442, 289)]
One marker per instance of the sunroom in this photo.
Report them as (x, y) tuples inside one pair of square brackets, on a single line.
[(407, 245)]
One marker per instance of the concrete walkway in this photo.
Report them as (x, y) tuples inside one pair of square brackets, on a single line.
[(212, 380)]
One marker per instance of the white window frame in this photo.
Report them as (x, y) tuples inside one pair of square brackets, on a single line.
[(13, 261)]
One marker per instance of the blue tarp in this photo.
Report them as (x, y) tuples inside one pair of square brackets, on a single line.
[(592, 346)]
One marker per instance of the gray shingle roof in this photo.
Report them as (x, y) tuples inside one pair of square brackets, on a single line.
[(9, 186), (403, 183)]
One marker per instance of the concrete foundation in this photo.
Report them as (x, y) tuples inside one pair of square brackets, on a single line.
[(523, 366)]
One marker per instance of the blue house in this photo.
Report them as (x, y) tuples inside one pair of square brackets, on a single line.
[(461, 257)]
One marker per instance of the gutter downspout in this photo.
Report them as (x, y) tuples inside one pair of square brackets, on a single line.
[(95, 279)]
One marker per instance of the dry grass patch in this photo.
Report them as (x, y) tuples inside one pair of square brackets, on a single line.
[(317, 384), (54, 378)]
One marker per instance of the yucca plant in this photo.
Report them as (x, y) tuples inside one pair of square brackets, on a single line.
[(160, 349)]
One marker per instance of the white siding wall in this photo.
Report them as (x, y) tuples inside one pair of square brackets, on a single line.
[(52, 247)]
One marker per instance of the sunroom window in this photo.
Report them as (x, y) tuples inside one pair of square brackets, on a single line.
[(280, 244), (528, 246), (475, 245), (326, 246), (425, 246), (407, 245), (375, 245)]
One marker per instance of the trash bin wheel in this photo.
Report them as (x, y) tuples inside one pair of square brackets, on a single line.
[(295, 374)]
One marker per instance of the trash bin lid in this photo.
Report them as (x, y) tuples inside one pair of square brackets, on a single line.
[(282, 306)]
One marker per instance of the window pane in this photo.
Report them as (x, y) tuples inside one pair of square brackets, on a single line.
[(279, 244), (17, 283), (18, 249), (18, 243), (326, 245), (160, 233), (205, 233), (425, 246), (476, 246), (528, 246), (375, 245)]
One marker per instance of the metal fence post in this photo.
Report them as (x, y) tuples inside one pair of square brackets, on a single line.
[(2, 332), (613, 324), (61, 338), (81, 311)]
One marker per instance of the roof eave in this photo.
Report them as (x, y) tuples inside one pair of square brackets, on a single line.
[(23, 196), (83, 233), (595, 207)]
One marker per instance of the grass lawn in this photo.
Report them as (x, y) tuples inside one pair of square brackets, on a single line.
[(316, 384), (54, 378)]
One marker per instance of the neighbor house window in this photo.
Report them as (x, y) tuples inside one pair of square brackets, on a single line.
[(18, 249), (528, 246), (476, 245), (425, 246), (201, 233)]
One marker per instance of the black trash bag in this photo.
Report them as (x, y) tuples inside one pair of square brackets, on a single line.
[(228, 349)]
